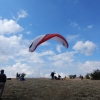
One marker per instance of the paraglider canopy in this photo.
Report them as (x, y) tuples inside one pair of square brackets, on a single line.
[(42, 38)]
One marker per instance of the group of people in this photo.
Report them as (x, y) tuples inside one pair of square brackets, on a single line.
[(55, 77), (20, 76), (3, 79), (2, 82)]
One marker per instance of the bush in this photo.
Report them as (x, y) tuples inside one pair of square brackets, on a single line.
[(87, 76), (95, 75), (72, 76)]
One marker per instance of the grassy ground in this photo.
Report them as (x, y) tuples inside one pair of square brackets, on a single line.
[(47, 89)]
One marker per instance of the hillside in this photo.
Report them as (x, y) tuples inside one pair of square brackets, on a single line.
[(47, 89)]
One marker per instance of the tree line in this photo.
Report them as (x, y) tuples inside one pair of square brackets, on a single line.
[(95, 75)]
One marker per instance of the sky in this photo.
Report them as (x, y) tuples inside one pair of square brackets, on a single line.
[(23, 20)]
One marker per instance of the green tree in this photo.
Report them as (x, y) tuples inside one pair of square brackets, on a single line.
[(87, 76), (95, 75)]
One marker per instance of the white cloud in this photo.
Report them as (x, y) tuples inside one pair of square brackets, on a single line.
[(11, 71), (62, 60), (15, 49), (90, 26), (72, 37), (21, 60), (10, 41), (67, 56), (89, 66), (45, 76), (8, 47), (22, 14), (28, 32), (48, 52), (30, 24), (86, 48), (59, 48), (9, 27), (74, 24), (35, 58), (14, 52)]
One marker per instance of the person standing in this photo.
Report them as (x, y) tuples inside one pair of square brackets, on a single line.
[(2, 82), (52, 75)]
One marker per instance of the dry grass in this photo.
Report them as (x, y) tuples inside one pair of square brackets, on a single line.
[(47, 89)]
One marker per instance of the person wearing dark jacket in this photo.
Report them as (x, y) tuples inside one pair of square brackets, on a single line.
[(2, 82), (52, 75)]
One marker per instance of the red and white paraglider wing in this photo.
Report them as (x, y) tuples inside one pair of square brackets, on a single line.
[(61, 40), (35, 43), (40, 39)]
